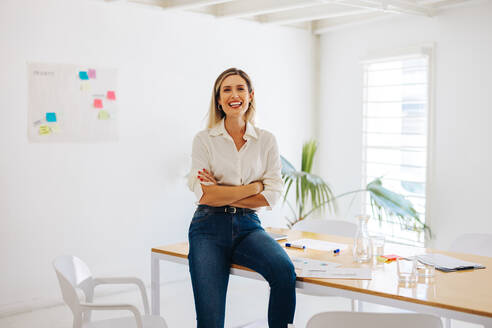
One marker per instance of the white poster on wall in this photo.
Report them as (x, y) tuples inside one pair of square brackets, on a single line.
[(71, 103)]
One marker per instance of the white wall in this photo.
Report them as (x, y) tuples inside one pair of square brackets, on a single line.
[(461, 175), (109, 203)]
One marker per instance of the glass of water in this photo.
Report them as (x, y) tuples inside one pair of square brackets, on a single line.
[(377, 246), (407, 271), (425, 271)]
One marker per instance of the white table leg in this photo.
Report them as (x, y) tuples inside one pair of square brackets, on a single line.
[(447, 323), (357, 306), (155, 286)]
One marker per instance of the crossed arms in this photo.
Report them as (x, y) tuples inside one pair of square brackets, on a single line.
[(247, 196)]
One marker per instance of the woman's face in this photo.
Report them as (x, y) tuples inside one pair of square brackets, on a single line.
[(234, 96)]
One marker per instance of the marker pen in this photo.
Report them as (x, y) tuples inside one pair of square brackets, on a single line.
[(295, 246)]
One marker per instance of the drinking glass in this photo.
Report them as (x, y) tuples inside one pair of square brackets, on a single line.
[(425, 270), (377, 246), (407, 271)]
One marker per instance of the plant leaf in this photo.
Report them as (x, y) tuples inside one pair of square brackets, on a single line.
[(308, 152), (393, 205), (287, 167)]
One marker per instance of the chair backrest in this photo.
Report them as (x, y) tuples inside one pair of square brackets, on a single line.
[(373, 320), (331, 227), (73, 274), (473, 243)]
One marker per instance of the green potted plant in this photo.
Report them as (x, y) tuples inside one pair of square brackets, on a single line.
[(312, 193)]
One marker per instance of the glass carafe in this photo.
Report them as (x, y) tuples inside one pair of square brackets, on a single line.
[(362, 251)]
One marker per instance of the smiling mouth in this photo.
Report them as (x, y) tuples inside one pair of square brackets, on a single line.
[(235, 104)]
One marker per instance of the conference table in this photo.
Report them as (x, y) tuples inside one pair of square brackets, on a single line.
[(462, 295)]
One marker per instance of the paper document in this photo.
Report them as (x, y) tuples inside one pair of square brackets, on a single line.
[(303, 263), (320, 245), (338, 273), (447, 263), (277, 236)]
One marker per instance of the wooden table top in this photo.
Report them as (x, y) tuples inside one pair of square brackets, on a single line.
[(467, 291)]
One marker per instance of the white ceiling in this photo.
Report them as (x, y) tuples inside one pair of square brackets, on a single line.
[(319, 16)]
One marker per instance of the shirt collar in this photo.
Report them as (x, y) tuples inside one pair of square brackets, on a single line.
[(219, 129)]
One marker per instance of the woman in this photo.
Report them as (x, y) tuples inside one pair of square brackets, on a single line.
[(235, 171)]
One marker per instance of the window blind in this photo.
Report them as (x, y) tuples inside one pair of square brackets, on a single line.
[(395, 136)]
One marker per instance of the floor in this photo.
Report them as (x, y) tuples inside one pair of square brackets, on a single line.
[(247, 302)]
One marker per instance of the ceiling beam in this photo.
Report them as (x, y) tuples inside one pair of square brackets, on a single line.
[(448, 3), (435, 2), (309, 13), (400, 7), (180, 4), (389, 6), (327, 25), (245, 8)]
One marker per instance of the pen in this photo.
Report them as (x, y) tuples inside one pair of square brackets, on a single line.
[(295, 246)]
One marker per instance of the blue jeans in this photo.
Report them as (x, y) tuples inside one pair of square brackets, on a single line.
[(219, 239)]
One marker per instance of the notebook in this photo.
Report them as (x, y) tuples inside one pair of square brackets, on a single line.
[(447, 263)]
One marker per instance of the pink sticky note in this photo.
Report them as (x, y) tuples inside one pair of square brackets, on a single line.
[(98, 103), (92, 73), (111, 95)]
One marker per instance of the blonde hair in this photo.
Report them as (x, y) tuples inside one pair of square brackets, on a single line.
[(216, 113)]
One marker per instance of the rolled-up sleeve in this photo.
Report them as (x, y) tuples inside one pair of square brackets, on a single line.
[(199, 161), (272, 179)]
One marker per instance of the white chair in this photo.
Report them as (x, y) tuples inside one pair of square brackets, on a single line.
[(75, 278), (373, 320), (330, 227), (473, 243)]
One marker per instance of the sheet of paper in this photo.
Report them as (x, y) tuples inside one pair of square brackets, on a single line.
[(320, 245), (61, 98), (338, 273), (303, 263)]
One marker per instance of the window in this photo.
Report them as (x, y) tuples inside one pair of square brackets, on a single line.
[(395, 135)]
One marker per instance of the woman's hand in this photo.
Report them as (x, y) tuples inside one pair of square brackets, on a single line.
[(206, 177), (259, 185)]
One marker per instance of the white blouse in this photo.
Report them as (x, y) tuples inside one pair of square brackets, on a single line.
[(258, 160)]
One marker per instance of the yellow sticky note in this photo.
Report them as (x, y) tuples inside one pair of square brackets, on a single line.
[(44, 130), (85, 86), (103, 115), (55, 128)]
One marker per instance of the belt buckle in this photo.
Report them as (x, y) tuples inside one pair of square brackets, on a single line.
[(233, 210)]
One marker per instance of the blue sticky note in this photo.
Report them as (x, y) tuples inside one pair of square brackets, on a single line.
[(83, 75), (50, 117)]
